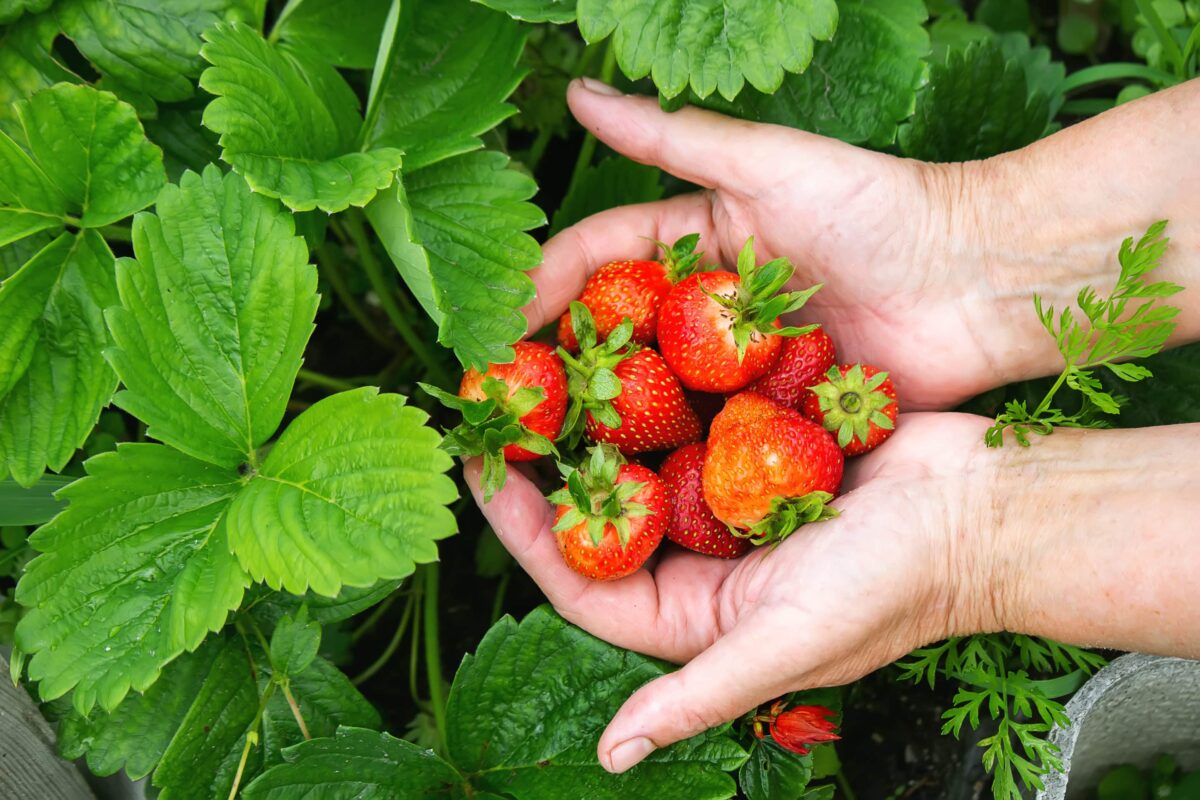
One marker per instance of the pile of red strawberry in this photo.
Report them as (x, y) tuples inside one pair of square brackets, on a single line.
[(785, 414)]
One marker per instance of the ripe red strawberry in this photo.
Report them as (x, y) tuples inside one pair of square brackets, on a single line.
[(623, 395), (692, 522), (512, 412), (719, 331), (633, 290), (857, 404), (610, 516), (803, 362), (769, 469)]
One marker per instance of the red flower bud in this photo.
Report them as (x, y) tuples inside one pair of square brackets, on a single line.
[(797, 728)]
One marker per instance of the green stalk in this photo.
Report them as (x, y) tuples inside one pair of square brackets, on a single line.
[(251, 738), (588, 148), (844, 785), (392, 646), (1105, 73), (415, 646), (327, 381), (498, 601), (331, 268), (354, 228), (1147, 10), (433, 651), (538, 148), (375, 616), (292, 704)]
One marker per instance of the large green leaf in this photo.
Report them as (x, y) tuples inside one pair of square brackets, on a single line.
[(977, 104), (26, 66), (289, 123), (134, 572), (194, 720), (88, 163), (860, 86), (12, 9), (352, 493), (151, 46), (344, 33), (359, 763), (455, 231), (713, 45), (556, 11), (527, 709), (772, 773), (450, 67), (53, 377), (613, 182), (214, 316)]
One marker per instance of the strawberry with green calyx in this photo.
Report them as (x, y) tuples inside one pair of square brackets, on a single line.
[(719, 331), (857, 404), (769, 469), (512, 412), (611, 515), (622, 394), (633, 290), (692, 522), (803, 361)]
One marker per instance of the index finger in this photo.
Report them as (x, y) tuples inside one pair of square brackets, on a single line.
[(618, 234)]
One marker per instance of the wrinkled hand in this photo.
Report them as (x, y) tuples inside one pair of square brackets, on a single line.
[(875, 229), (833, 602)]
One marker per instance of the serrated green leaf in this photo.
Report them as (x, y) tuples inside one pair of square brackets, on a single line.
[(27, 66), (134, 572), (456, 232), (615, 181), (33, 505), (345, 33), (294, 643), (357, 762), (977, 104), (289, 123), (57, 377), (353, 492), (527, 709), (772, 773), (152, 46), (215, 313), (451, 67), (559, 12), (711, 45)]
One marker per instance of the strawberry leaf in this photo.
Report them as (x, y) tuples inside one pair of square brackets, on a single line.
[(314, 516), (344, 33), (710, 45), (556, 11), (456, 233), (449, 69), (209, 364), (27, 66), (289, 123)]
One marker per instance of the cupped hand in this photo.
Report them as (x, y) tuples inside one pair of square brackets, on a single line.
[(885, 235), (901, 566)]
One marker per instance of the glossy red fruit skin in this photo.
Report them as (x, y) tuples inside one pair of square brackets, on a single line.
[(875, 435), (621, 289), (609, 561), (692, 522), (536, 364), (803, 362), (759, 450), (654, 412), (695, 335)]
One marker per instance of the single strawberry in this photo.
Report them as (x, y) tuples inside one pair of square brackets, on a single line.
[(803, 362), (857, 404), (633, 290), (719, 331), (692, 522), (511, 412), (797, 728), (611, 515), (769, 469), (622, 394)]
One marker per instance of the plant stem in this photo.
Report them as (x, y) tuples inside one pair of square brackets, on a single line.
[(391, 648), (588, 148), (418, 592), (374, 617), (353, 225), (1045, 404), (251, 737), (328, 381), (843, 784), (287, 693), (117, 233), (331, 268), (1169, 45), (538, 148), (498, 602), (433, 651), (1104, 73)]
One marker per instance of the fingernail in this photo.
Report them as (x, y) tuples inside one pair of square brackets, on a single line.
[(599, 87), (627, 754)]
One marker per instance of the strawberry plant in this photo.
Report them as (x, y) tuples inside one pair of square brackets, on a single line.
[(236, 237)]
